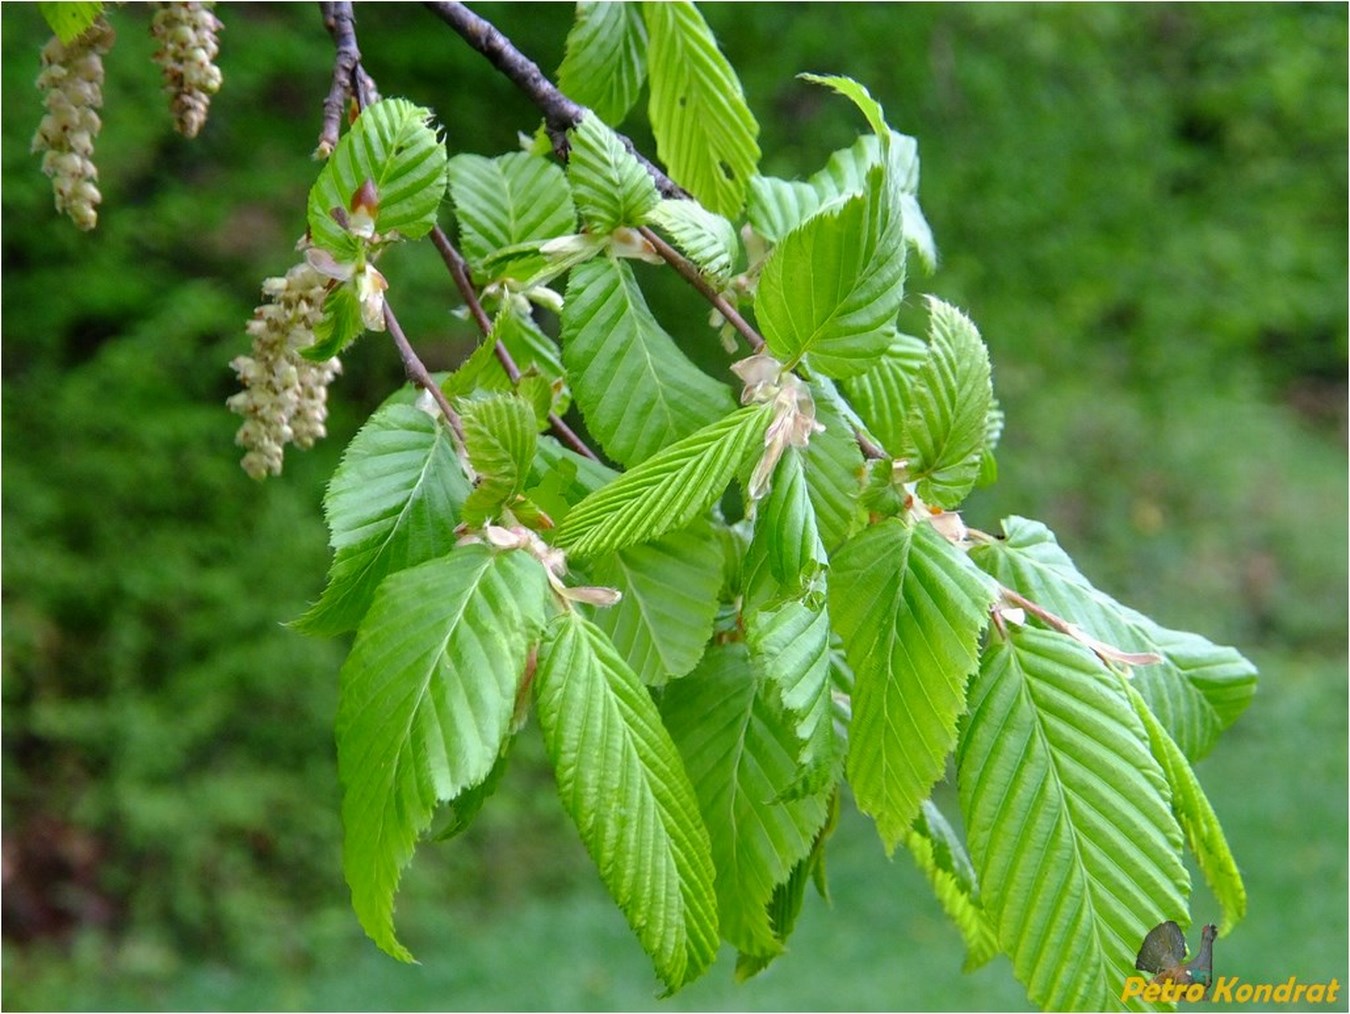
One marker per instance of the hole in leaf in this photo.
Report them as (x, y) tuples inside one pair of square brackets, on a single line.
[(727, 171), (683, 101)]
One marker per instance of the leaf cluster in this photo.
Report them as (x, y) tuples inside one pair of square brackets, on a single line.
[(763, 602)]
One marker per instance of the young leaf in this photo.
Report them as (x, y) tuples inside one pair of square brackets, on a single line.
[(741, 757), (785, 536), (70, 20), (790, 649), (705, 133), (606, 58), (392, 145), (1196, 816), (638, 391), (393, 503), (670, 597), (788, 896), (833, 469), (942, 857), (857, 94), (426, 700), (910, 610), (339, 326), (775, 207), (1197, 691), (504, 201), (667, 490), (832, 287), (882, 393), (499, 435), (621, 780), (707, 239), (948, 409), (1066, 814), (610, 187)]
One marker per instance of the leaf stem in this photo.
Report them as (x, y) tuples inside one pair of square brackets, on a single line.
[(1106, 652)]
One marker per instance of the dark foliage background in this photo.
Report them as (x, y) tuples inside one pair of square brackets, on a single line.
[(1144, 208)]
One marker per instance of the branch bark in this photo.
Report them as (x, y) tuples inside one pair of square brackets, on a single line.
[(561, 114)]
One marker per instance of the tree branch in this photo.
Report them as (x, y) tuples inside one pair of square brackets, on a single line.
[(349, 77), (459, 270), (419, 375), (561, 114), (690, 273)]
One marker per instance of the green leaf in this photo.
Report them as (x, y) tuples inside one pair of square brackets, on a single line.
[(1066, 814), (70, 20), (1197, 818), (833, 467), (606, 58), (857, 94), (392, 145), (512, 199), (881, 394), (637, 390), (1197, 691), (426, 699), (339, 326), (785, 534), (942, 857), (667, 490), (832, 287), (910, 609), (610, 187), (499, 435), (775, 207), (707, 239), (790, 649), (621, 780), (393, 503), (741, 757), (948, 409), (788, 896), (705, 133), (670, 597), (460, 812)]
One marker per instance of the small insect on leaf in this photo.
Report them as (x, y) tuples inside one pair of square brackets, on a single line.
[(1164, 951)]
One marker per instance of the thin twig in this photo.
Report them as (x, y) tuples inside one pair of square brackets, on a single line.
[(340, 22), (417, 372), (459, 270), (690, 273), (561, 114)]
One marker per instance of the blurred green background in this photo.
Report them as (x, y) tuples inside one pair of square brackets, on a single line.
[(1143, 207)]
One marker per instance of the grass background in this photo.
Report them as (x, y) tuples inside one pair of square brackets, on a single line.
[(1144, 208)]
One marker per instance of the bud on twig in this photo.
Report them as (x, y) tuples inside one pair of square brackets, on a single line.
[(72, 78)]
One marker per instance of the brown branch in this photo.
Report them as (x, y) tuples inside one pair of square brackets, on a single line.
[(691, 274), (459, 270), (561, 114), (417, 373), (340, 21)]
